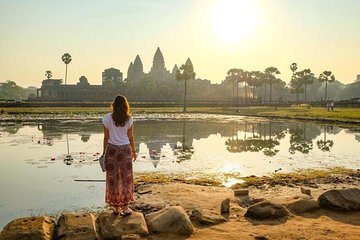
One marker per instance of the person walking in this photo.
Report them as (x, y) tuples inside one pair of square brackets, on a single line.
[(119, 150)]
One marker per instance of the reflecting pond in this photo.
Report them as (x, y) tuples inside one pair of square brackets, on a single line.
[(40, 160)]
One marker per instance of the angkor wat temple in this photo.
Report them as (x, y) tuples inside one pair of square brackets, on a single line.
[(159, 84)]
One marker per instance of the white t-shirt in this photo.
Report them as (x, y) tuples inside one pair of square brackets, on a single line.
[(117, 135)]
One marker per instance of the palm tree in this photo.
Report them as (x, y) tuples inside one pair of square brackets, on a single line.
[(306, 77), (279, 85), (246, 78), (48, 74), (293, 68), (66, 58), (254, 81), (232, 78), (296, 85), (326, 77), (185, 73), (271, 79)]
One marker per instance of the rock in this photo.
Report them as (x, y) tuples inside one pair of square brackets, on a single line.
[(110, 226), (76, 226), (301, 204), (147, 208), (29, 228), (206, 219), (341, 199), (172, 220), (266, 210), (130, 237), (241, 192), (261, 237), (248, 201), (305, 191), (225, 206)]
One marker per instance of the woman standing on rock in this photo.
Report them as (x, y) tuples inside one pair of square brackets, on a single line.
[(119, 150)]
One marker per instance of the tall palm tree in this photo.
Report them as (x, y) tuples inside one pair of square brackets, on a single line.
[(326, 77), (296, 85), (246, 78), (232, 78), (306, 78), (48, 74), (254, 81), (293, 68), (66, 58), (185, 73), (271, 79)]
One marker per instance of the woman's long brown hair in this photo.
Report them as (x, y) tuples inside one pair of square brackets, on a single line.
[(121, 111)]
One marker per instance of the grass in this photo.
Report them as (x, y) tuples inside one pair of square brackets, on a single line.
[(296, 177), (351, 115)]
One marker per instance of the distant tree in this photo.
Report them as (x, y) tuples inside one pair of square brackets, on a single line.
[(293, 68), (185, 73), (10, 90), (254, 81), (247, 78), (306, 78), (270, 75), (279, 85), (296, 85), (326, 77), (233, 77), (48, 74), (66, 58)]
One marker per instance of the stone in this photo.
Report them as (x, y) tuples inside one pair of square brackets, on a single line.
[(173, 220), (225, 206), (147, 208), (248, 201), (261, 237), (266, 210), (76, 226), (29, 228), (130, 237), (341, 199), (301, 204), (305, 191), (208, 219), (241, 192), (110, 226)]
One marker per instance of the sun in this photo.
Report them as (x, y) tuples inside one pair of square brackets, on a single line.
[(234, 20)]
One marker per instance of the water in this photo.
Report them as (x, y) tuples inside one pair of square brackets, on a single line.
[(36, 178)]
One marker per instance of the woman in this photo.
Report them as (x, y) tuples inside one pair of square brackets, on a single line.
[(119, 150)]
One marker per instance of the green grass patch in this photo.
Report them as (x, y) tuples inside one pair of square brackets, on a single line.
[(351, 115)]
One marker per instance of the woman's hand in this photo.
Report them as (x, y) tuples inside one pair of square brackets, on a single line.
[(134, 156)]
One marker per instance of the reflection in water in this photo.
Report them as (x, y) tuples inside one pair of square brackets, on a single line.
[(298, 140), (325, 145), (183, 151), (256, 136)]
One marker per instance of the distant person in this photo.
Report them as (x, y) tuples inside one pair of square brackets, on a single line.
[(332, 105), (328, 105), (119, 150)]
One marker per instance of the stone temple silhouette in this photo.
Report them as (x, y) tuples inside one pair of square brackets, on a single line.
[(112, 82)]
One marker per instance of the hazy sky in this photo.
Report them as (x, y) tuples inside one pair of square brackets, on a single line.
[(216, 35)]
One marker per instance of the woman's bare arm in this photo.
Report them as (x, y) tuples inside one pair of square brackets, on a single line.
[(131, 139), (106, 138)]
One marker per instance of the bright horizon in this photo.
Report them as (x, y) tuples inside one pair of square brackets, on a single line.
[(216, 35)]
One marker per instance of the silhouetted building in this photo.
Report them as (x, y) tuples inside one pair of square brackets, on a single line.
[(112, 74)]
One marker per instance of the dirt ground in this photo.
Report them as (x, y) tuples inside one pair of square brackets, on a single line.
[(320, 224)]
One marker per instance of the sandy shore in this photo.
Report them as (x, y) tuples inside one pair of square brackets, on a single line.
[(320, 224)]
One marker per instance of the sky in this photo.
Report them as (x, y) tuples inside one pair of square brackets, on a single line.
[(216, 34)]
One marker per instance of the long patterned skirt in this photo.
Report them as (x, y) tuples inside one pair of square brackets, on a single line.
[(119, 175)]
